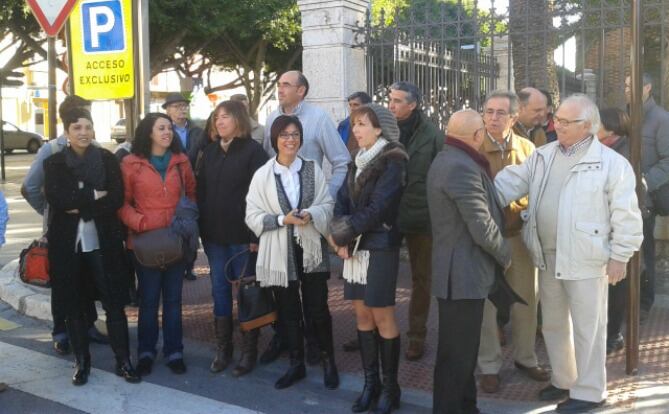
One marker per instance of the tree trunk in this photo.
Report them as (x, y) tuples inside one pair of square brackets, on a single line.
[(533, 43)]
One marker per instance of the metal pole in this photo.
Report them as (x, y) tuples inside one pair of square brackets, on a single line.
[(636, 85), (68, 43), (144, 76), (51, 56), (2, 136)]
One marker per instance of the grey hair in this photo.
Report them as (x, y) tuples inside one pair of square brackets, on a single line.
[(506, 94), (589, 111), (412, 91)]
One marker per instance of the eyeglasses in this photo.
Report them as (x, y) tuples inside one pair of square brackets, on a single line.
[(566, 122), (286, 136), (182, 107), (500, 114)]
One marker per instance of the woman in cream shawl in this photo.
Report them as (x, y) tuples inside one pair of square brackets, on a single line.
[(288, 207)]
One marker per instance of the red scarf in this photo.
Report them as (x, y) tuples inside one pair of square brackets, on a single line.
[(610, 141), (473, 154)]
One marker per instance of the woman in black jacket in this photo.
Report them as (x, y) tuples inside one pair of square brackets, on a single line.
[(364, 233), (84, 188), (225, 172)]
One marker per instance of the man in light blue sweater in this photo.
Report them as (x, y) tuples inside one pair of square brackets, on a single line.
[(321, 139)]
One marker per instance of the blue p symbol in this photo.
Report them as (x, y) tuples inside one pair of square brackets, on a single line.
[(103, 26)]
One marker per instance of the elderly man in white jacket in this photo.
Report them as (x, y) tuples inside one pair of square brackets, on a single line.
[(581, 227)]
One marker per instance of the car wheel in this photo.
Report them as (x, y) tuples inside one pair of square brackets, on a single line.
[(8, 151), (33, 146)]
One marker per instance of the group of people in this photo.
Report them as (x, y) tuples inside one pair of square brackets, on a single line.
[(516, 206)]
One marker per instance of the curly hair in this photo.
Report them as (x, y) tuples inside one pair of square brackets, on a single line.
[(142, 143)]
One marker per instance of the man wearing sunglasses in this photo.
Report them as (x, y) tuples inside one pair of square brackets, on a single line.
[(582, 226)]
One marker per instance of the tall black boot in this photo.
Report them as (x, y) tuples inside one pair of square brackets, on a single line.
[(369, 353), (390, 360), (323, 330), (297, 371), (77, 330), (120, 344), (223, 331)]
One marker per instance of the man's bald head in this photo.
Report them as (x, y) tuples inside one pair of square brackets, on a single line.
[(533, 107), (466, 125)]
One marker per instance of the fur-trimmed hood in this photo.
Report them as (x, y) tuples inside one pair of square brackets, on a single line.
[(393, 151)]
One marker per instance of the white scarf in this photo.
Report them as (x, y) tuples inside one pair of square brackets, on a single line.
[(263, 199), (364, 156)]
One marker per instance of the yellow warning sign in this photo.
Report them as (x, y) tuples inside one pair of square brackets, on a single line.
[(102, 49)]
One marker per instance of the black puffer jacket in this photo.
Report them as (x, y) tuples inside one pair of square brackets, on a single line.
[(371, 202)]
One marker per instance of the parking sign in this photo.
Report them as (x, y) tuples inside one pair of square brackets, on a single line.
[(102, 51)]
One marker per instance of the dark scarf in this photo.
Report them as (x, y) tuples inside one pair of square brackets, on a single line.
[(408, 127), (87, 168), (473, 154)]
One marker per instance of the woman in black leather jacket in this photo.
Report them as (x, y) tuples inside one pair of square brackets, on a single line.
[(364, 233)]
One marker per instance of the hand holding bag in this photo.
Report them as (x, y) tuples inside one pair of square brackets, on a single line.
[(159, 248), (256, 306)]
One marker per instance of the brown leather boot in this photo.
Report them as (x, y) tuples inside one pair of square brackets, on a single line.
[(223, 331), (249, 353), (489, 383), (415, 350)]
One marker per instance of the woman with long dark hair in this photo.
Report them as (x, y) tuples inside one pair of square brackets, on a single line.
[(288, 207), (84, 189), (224, 176), (155, 175)]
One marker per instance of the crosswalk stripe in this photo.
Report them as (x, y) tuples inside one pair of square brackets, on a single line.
[(48, 377)]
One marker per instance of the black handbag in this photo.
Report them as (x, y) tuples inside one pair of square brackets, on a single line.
[(660, 199), (256, 306)]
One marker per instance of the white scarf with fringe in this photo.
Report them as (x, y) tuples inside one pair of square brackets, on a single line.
[(263, 199)]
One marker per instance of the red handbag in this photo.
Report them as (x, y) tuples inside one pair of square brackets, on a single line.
[(34, 264)]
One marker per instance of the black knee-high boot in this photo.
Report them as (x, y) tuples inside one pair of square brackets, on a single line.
[(390, 360), (295, 337), (369, 353), (77, 330), (118, 338)]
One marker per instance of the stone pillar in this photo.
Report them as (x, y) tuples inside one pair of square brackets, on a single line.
[(501, 51), (334, 68)]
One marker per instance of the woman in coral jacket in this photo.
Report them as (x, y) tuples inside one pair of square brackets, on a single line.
[(153, 176)]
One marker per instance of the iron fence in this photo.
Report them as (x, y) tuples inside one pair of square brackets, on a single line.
[(456, 52)]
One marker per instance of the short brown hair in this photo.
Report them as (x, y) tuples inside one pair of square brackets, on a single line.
[(238, 111), (371, 115), (616, 121)]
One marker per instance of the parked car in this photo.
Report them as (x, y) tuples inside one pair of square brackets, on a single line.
[(15, 138), (118, 133)]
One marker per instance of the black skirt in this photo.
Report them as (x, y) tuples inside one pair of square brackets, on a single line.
[(379, 291)]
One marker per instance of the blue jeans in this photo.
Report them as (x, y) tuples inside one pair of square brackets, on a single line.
[(153, 283), (221, 290)]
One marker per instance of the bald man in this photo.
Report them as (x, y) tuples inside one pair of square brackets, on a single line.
[(531, 116), (468, 250)]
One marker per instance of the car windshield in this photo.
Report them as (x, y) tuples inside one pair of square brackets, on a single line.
[(8, 126)]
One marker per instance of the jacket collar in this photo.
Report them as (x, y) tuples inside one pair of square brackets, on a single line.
[(649, 105), (593, 155), (512, 145)]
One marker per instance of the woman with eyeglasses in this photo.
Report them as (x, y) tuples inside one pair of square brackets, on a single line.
[(288, 207), (225, 172)]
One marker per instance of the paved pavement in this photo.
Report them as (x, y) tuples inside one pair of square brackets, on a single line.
[(39, 380)]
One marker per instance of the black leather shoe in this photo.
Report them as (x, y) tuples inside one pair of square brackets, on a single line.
[(573, 406), (296, 372), (124, 369), (177, 366), (62, 347), (190, 276), (96, 336), (82, 370), (553, 393), (614, 344), (144, 366)]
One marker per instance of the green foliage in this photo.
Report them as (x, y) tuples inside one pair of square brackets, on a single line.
[(20, 30)]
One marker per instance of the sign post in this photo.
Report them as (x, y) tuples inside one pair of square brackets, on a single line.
[(102, 54)]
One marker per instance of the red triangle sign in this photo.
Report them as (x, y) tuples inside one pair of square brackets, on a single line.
[(51, 14)]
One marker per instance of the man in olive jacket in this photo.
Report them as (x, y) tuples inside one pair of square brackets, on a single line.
[(422, 140), (468, 251)]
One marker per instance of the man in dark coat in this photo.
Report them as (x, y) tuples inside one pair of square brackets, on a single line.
[(189, 135), (468, 250)]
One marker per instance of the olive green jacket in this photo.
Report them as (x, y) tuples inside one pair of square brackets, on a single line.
[(425, 143)]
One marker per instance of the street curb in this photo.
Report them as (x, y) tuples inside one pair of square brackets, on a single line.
[(28, 300)]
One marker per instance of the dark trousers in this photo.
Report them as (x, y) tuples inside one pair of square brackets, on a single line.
[(458, 348), (648, 251), (58, 315), (90, 266), (617, 308)]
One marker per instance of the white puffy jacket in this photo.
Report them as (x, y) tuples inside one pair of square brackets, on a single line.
[(598, 217)]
